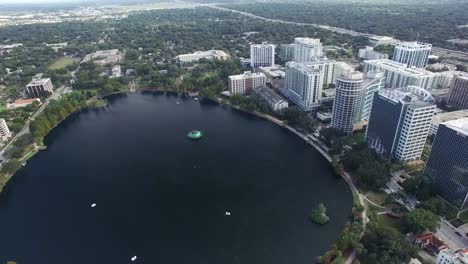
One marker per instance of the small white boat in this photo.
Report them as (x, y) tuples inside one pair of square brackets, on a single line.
[(93, 205), (227, 213), (178, 103), (134, 258), (196, 99)]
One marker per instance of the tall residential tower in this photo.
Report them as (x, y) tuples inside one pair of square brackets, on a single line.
[(347, 103), (306, 49), (413, 54), (262, 55)]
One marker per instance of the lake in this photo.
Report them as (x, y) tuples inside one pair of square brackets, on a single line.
[(163, 197)]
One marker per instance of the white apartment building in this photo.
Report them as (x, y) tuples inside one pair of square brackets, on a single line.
[(341, 68), (304, 84), (306, 49), (413, 54), (368, 53), (399, 122), (262, 55), (399, 75), (40, 87), (325, 65), (246, 82), (448, 256), (347, 103), (4, 130), (374, 81), (198, 55)]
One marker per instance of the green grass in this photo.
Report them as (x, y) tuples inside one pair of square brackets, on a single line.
[(3, 107), (61, 63), (354, 139), (378, 198), (385, 220), (464, 217)]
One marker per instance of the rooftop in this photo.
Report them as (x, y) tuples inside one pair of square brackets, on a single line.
[(245, 75), (269, 95), (459, 125), (39, 81), (449, 116), (396, 66), (307, 41), (409, 95), (414, 45)]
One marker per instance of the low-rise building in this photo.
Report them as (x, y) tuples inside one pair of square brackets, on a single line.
[(445, 117), (198, 55), (22, 103), (40, 87), (104, 57), (4, 130), (448, 256), (275, 101), (246, 83), (368, 53), (382, 40), (429, 242), (273, 72)]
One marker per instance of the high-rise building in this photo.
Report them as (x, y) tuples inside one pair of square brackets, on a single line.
[(399, 122), (304, 84), (341, 68), (40, 87), (374, 81), (287, 52), (262, 55), (306, 49), (459, 91), (4, 131), (347, 103), (368, 53), (447, 167), (399, 75), (325, 65), (246, 82), (443, 117), (413, 54)]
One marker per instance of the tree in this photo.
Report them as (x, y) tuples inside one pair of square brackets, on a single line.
[(421, 220), (384, 245), (10, 166)]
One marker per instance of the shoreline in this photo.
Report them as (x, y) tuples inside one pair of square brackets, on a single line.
[(343, 174)]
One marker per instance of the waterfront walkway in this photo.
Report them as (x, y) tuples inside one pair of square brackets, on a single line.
[(320, 148)]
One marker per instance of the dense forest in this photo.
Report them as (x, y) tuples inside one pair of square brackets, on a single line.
[(435, 22), (150, 39)]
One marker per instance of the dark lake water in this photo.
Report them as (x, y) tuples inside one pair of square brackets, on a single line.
[(163, 197)]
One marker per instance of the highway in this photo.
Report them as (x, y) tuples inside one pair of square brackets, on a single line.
[(435, 50)]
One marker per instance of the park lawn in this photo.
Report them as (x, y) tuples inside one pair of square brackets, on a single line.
[(385, 220), (376, 197), (61, 63), (3, 107)]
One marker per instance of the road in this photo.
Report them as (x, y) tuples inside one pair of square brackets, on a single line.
[(446, 232), (436, 50), (25, 129)]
